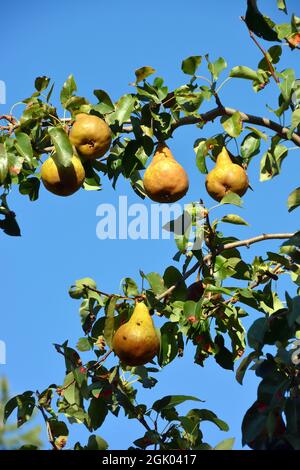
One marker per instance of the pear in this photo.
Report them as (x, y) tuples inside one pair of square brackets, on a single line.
[(226, 177), (136, 342), (60, 180), (165, 180), (91, 136)]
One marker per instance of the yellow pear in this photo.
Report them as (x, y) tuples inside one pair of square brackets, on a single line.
[(165, 180), (60, 180), (90, 135), (136, 342), (226, 177)]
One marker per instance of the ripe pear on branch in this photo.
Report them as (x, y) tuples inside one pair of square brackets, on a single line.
[(136, 342), (61, 180), (226, 177), (165, 180), (91, 136)]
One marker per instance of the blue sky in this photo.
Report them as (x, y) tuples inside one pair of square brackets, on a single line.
[(102, 43)]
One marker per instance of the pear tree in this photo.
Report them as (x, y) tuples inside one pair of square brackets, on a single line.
[(39, 150)]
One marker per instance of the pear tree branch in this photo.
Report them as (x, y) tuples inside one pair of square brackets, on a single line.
[(227, 246), (249, 118)]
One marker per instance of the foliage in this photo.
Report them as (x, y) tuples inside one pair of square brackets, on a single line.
[(233, 287), (10, 437)]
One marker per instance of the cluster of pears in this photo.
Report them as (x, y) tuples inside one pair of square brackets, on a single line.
[(166, 181), (91, 137), (226, 177), (136, 341)]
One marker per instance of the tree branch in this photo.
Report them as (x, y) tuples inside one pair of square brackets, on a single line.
[(258, 238), (227, 246), (224, 111)]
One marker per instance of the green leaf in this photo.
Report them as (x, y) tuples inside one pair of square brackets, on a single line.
[(156, 282), (281, 5), (105, 104), (271, 162), (70, 389), (96, 443), (173, 276), (143, 73), (69, 87), (23, 146), (294, 200), (190, 65), (31, 187), (197, 416), (97, 413), (250, 146), (232, 198), (83, 344), (295, 122), (261, 25), (41, 83), (110, 321), (234, 219), (188, 101), (226, 444), (259, 133), (273, 54), (62, 144), (124, 108), (200, 148), (223, 357), (286, 86), (241, 370), (217, 67), (168, 343), (76, 291), (170, 401), (59, 430), (256, 333), (3, 163), (129, 287), (25, 405), (233, 125), (244, 72)]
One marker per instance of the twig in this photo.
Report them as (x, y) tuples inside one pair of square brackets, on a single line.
[(138, 297), (271, 68), (100, 362), (49, 431), (9, 118)]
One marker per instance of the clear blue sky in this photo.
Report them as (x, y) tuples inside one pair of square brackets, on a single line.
[(102, 43)]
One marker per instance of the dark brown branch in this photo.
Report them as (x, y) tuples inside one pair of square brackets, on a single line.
[(249, 118)]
